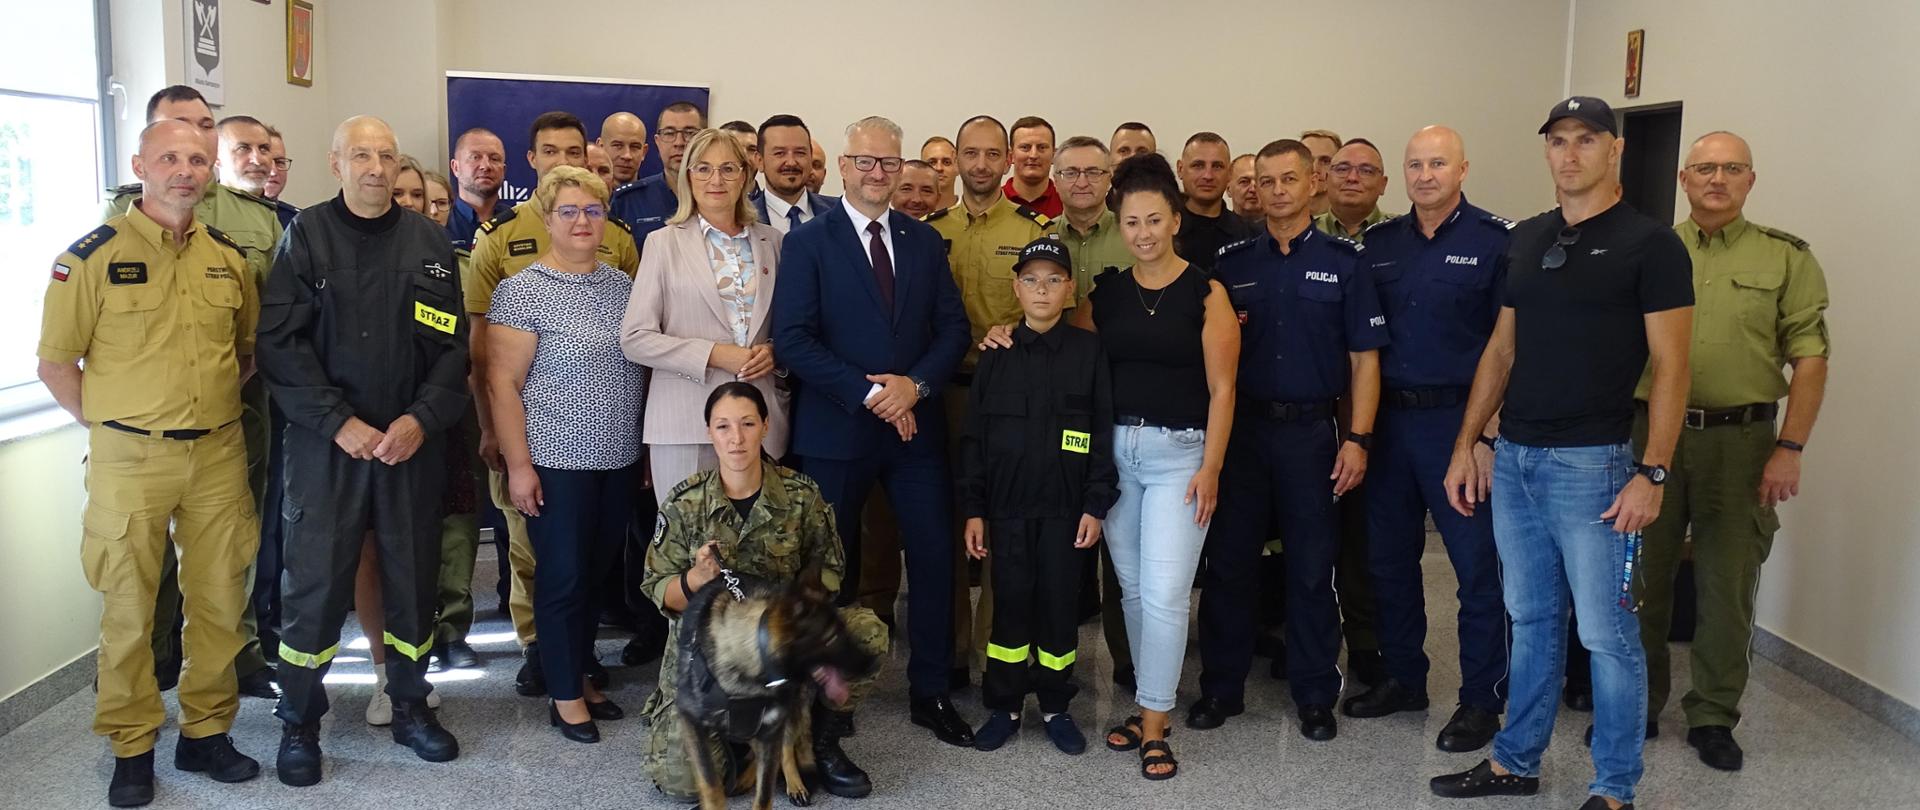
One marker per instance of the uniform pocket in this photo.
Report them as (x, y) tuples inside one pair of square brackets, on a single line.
[(103, 546), (128, 312), (1006, 418), (222, 308), (1756, 296), (435, 314), (1321, 291)]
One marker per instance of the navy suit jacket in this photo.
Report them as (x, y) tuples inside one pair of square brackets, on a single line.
[(831, 330), (819, 203)]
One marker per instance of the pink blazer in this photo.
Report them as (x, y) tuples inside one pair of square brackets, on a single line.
[(675, 317)]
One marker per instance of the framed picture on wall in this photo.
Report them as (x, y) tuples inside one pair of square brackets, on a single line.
[(1636, 52), (300, 43)]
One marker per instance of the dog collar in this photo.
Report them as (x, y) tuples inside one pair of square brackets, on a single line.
[(776, 678)]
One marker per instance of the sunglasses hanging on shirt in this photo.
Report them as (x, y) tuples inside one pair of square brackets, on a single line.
[(1557, 254)]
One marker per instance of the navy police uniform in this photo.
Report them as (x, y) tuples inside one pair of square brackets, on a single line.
[(1441, 297), (1302, 313), (645, 204)]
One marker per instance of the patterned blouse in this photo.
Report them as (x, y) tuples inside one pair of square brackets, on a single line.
[(583, 397), (732, 260)]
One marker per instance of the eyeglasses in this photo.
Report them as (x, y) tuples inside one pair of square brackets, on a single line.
[(728, 171), (283, 164), (677, 134), (1074, 175), (1734, 171), (1367, 171), (865, 163), (1557, 254), (569, 213), (1052, 282)]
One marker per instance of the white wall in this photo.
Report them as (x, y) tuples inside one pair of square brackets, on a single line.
[(1818, 89), (53, 616)]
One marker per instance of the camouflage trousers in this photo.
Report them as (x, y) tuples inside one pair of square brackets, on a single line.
[(666, 758)]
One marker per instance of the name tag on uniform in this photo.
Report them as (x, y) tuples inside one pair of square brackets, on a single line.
[(434, 318), (522, 247), (127, 273), (1074, 441)]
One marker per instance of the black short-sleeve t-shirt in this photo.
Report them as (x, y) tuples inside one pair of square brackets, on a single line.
[(1580, 339)]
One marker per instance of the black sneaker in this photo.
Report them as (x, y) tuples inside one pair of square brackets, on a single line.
[(531, 681), (259, 684), (299, 762), (1471, 729), (1066, 735), (1385, 699), (1480, 780), (216, 757), (132, 784), (1717, 748), (994, 733)]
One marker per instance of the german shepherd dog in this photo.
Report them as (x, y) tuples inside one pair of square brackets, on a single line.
[(753, 656)]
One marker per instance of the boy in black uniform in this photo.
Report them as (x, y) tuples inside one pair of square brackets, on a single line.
[(1036, 476)]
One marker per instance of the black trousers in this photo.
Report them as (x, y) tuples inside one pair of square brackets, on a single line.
[(331, 501), (1036, 606), (576, 538)]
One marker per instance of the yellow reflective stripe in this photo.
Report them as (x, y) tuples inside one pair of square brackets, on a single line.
[(409, 650), (1057, 662), (1011, 655), (307, 660)]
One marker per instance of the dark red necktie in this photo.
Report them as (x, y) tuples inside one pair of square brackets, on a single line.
[(882, 263)]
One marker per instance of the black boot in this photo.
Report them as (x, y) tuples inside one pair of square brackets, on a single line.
[(299, 760), (838, 774), (132, 784), (214, 756), (415, 728)]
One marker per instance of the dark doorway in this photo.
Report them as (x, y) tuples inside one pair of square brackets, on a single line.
[(1651, 159)]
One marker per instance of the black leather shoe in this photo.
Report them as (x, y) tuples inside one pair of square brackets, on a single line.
[(1366, 668), (299, 762), (938, 714), (1653, 730), (1600, 803), (216, 757), (415, 727), (606, 710), (1470, 730), (585, 732), (1210, 713), (1717, 747), (132, 784), (1385, 699), (643, 647), (1480, 781), (1317, 723), (259, 684), (838, 774), (597, 674), (456, 655), (1578, 698), (531, 681)]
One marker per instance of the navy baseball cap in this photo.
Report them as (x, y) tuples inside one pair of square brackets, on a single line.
[(1046, 249), (1587, 110)]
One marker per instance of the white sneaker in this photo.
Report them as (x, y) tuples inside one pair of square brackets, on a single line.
[(433, 699), (380, 709)]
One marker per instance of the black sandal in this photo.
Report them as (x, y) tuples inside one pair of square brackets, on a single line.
[(1131, 729), (1157, 752)]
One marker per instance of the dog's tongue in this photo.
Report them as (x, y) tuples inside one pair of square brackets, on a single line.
[(832, 683)]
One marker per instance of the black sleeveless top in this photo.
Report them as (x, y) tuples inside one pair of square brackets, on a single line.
[(1152, 339)]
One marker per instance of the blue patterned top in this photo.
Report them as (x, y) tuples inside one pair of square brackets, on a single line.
[(583, 397), (734, 278)]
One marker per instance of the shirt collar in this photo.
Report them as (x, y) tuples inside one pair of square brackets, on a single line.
[(860, 220), (773, 493), (152, 232), (379, 224), (1047, 194), (1728, 233), (571, 278), (777, 208), (710, 231), (1024, 334), (1293, 245), (1104, 223)]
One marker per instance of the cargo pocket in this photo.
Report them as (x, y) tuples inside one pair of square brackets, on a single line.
[(222, 310), (103, 546), (128, 312), (435, 313)]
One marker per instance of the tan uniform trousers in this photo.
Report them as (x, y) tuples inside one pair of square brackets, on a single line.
[(519, 558)]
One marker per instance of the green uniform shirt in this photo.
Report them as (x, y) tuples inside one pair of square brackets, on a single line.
[(1093, 252), (516, 237), (981, 251), (1760, 301), (161, 324), (251, 222), (1330, 224)]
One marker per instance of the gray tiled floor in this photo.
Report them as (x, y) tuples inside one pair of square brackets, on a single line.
[(1804, 749)]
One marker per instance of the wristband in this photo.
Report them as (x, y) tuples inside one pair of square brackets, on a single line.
[(1791, 445), (1487, 440), (685, 589)]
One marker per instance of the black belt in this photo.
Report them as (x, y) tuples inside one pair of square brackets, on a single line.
[(1445, 397), (176, 435), (1703, 418), (1129, 420), (1288, 411)]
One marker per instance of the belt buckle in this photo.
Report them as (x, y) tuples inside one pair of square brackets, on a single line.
[(1285, 411), (1696, 419), (1407, 398)]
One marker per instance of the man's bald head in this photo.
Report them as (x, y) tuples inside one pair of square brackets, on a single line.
[(1717, 177), (1435, 167), (1721, 141), (365, 157), (174, 166), (362, 126), (624, 136)]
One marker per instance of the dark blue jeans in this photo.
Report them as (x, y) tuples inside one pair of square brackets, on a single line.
[(576, 539), (1555, 549)]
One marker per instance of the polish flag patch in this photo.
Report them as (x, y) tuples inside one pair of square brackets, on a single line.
[(60, 271)]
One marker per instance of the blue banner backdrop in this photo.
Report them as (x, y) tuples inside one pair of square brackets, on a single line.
[(507, 104)]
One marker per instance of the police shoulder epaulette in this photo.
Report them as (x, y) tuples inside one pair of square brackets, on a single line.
[(462, 250), (797, 481), (619, 223), (1041, 219), (1797, 242), (1498, 221), (933, 215), (1383, 223), (498, 220), (693, 482), (92, 241), (1351, 246), (250, 196), (221, 237), (1235, 247)]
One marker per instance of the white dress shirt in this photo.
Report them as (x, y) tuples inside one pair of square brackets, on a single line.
[(777, 210), (860, 232)]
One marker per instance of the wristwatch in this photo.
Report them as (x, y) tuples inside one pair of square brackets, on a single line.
[(1364, 440), (920, 387), (1487, 440), (1656, 473)]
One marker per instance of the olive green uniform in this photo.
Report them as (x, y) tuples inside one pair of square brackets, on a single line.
[(1760, 300), (1095, 251), (505, 245), (1329, 224), (160, 326), (789, 527), (253, 225)]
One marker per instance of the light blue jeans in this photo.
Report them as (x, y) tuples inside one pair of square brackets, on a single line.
[(1156, 548), (1553, 547)]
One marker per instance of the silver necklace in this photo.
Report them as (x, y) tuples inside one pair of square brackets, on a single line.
[(1151, 310)]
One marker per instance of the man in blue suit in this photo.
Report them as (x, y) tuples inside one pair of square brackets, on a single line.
[(786, 160), (867, 318)]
